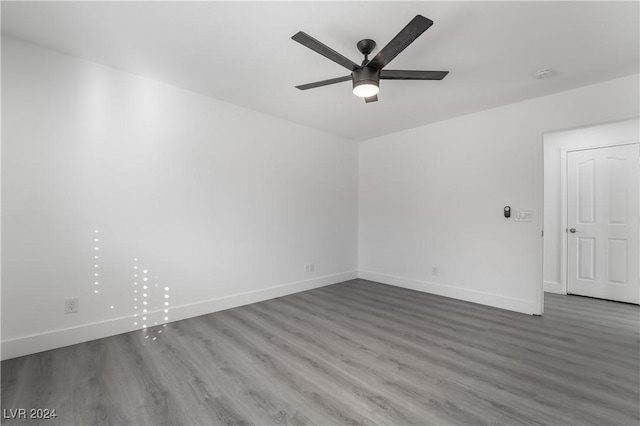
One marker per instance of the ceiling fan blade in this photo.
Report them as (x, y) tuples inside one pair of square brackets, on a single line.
[(405, 37), (324, 82), (373, 98), (313, 44), (412, 75)]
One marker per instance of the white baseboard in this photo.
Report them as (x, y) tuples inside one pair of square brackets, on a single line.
[(551, 287), (26, 345), (489, 299)]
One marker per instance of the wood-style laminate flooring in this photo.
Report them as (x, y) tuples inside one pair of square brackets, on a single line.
[(358, 352)]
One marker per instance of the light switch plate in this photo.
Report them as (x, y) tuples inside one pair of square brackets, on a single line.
[(523, 216)]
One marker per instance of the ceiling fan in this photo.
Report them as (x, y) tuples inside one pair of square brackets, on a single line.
[(366, 77)]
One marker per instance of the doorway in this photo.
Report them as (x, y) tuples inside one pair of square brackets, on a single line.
[(556, 149)]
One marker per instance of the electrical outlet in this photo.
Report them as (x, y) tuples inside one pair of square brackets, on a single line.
[(71, 305), (434, 270), (312, 267)]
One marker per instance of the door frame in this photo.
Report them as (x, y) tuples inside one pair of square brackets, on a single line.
[(564, 200)]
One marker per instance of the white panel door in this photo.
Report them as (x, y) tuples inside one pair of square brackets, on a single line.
[(603, 206)]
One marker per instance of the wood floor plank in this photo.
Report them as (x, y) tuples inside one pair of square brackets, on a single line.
[(464, 371), (451, 329), (327, 375), (358, 352), (524, 371), (375, 364)]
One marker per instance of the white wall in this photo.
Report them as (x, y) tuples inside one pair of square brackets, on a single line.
[(224, 205), (556, 144), (434, 195), (220, 204)]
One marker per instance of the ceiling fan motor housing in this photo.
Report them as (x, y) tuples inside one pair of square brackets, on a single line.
[(365, 75)]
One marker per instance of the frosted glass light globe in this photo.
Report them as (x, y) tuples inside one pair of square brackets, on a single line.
[(366, 90)]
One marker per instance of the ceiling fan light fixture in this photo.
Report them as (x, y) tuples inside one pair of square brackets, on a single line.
[(366, 89), (366, 82)]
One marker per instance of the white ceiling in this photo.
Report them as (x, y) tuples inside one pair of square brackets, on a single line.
[(242, 52)]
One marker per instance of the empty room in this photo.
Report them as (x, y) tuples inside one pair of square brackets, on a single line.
[(320, 213)]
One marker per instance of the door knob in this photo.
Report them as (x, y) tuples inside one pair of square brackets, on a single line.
[(573, 230)]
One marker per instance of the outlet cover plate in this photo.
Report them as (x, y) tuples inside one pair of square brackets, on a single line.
[(71, 305)]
